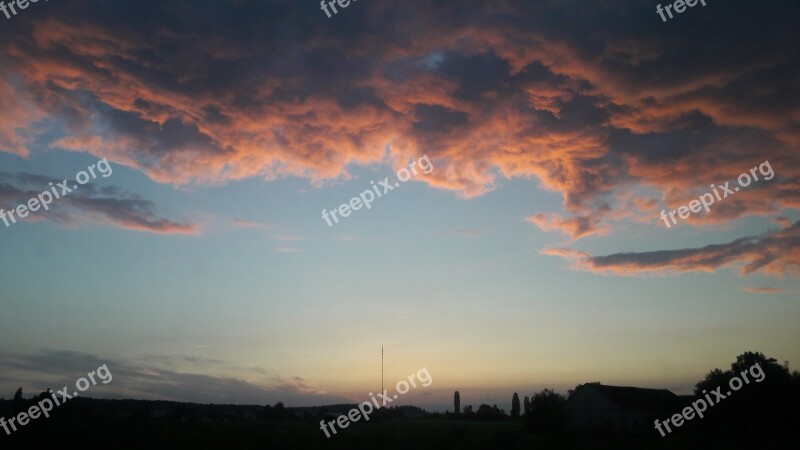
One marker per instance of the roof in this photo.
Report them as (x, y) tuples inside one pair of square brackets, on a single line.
[(638, 399)]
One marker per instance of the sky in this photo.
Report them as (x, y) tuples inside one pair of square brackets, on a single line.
[(529, 253)]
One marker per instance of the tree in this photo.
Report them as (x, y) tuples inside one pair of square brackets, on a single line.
[(19, 402), (527, 405), (484, 411), (547, 409), (490, 413), (515, 405), (457, 402), (774, 372), (757, 392), (713, 379), (279, 411)]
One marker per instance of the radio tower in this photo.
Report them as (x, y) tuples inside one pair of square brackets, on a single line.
[(382, 372)]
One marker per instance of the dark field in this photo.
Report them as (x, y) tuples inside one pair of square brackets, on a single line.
[(392, 434)]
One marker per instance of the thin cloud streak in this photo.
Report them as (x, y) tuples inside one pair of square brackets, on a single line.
[(774, 254), (762, 290)]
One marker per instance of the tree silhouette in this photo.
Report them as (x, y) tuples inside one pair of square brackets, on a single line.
[(774, 372), (490, 413), (515, 405), (457, 402), (19, 402), (764, 386), (279, 411), (546, 411), (713, 379), (527, 405)]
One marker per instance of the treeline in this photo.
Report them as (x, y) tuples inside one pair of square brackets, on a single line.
[(773, 402)]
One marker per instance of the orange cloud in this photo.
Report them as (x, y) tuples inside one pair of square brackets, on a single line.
[(242, 223), (762, 290), (590, 116), (575, 227)]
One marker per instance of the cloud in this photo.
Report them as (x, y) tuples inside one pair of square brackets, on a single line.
[(775, 254), (147, 379), (19, 114), (762, 290), (89, 204), (470, 232), (297, 384), (508, 90), (241, 223), (575, 227), (287, 237)]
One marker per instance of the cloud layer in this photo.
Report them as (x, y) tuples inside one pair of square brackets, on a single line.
[(601, 102), (148, 378)]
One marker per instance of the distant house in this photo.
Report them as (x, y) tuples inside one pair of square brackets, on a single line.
[(629, 409)]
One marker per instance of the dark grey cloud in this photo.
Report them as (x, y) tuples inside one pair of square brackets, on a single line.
[(776, 253), (87, 203), (146, 378), (435, 119)]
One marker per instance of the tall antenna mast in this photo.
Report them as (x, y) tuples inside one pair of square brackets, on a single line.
[(384, 402)]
